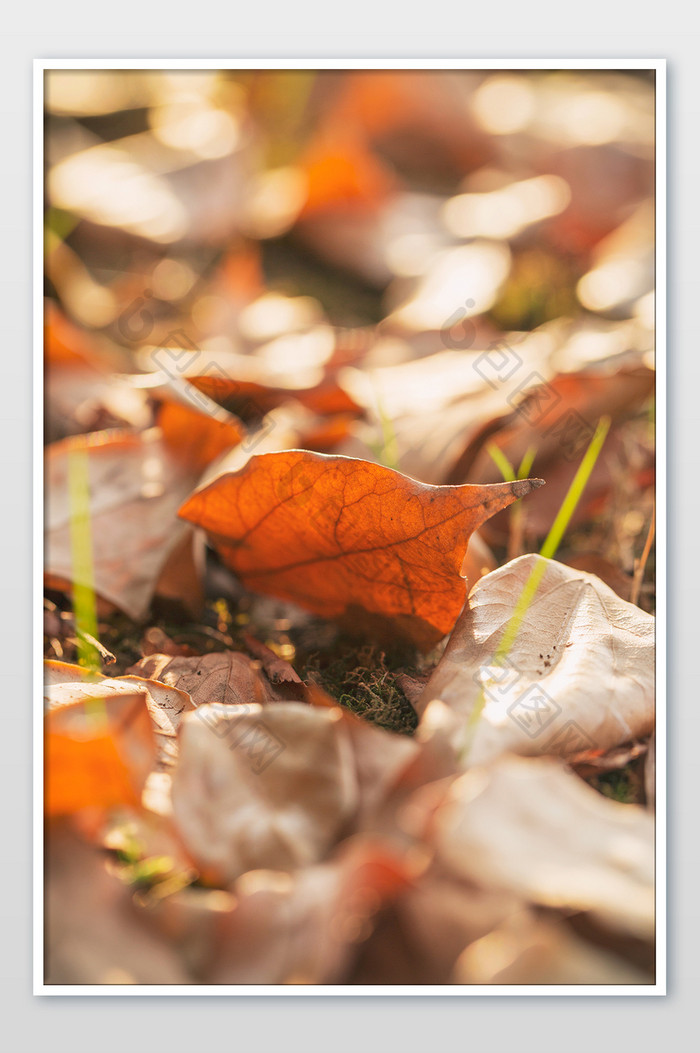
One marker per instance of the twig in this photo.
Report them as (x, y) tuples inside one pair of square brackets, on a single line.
[(107, 657), (278, 670), (640, 564)]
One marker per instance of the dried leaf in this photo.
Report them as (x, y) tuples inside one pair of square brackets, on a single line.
[(557, 418), (347, 537), (227, 677), (198, 438), (100, 747), (137, 481), (275, 786), (431, 923), (299, 365), (535, 829), (305, 928), (165, 702), (262, 787), (578, 676), (136, 486), (165, 705)]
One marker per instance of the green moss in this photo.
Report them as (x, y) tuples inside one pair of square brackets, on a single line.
[(364, 680), (624, 785)]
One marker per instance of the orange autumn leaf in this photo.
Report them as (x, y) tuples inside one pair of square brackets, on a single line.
[(64, 343), (67, 345), (349, 539), (99, 747), (197, 438), (342, 173)]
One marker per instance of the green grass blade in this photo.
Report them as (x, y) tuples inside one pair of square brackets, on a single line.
[(548, 549), (527, 462), (84, 603), (502, 463), (578, 485)]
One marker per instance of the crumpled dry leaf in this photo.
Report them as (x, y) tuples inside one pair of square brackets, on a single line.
[(228, 677), (262, 787), (137, 481), (381, 758), (136, 487), (345, 537), (622, 466), (164, 700), (578, 676), (533, 828), (275, 786), (557, 417), (306, 927)]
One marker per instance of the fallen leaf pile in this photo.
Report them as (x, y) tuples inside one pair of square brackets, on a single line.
[(315, 710)]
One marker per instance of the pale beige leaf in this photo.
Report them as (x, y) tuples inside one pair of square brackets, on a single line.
[(579, 675), (136, 486), (262, 786), (276, 786), (533, 828), (165, 702), (306, 927)]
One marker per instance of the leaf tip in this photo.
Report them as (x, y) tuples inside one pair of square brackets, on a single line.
[(521, 487)]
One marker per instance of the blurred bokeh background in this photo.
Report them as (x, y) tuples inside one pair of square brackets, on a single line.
[(352, 243), (353, 187)]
